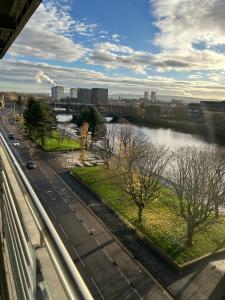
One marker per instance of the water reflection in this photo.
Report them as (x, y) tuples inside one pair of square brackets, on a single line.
[(171, 138), (64, 118)]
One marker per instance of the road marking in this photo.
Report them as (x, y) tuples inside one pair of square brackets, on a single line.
[(92, 279), (118, 268), (81, 260), (36, 187), (63, 231), (52, 213), (48, 192)]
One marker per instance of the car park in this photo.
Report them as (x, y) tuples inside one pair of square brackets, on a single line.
[(31, 164)]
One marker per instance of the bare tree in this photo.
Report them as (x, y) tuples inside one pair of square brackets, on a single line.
[(124, 138), (191, 180), (108, 144), (142, 169), (217, 177)]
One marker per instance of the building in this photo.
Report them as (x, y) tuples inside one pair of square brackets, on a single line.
[(99, 96), (146, 96), (153, 96), (73, 93), (83, 95), (2, 101), (57, 93)]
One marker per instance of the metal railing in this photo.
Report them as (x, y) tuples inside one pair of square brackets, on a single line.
[(69, 275)]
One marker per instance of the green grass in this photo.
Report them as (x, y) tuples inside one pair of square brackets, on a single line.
[(160, 223), (54, 143)]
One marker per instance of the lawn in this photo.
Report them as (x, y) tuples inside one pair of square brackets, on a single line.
[(160, 224), (54, 143)]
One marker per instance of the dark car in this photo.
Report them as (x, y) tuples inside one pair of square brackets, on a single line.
[(31, 164), (11, 136)]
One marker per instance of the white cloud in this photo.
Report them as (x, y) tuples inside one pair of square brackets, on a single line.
[(103, 31), (185, 23), (48, 35), (20, 76), (189, 33), (84, 29), (116, 37), (190, 60), (114, 56)]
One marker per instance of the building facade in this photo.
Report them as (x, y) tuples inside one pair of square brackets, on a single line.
[(99, 96), (57, 93), (146, 96), (153, 96), (83, 95), (73, 93)]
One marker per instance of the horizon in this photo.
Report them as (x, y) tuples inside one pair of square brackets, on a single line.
[(176, 49)]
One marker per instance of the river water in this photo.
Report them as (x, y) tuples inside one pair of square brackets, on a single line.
[(168, 137)]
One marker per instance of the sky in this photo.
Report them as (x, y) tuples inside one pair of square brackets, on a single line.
[(174, 47)]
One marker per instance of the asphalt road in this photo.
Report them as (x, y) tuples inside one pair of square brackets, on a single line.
[(108, 270)]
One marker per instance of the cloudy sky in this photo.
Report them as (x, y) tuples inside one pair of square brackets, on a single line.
[(174, 47)]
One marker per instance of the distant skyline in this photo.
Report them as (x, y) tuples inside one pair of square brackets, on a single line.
[(173, 47)]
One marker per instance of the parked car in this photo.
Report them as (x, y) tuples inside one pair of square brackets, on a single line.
[(31, 164), (16, 143), (11, 136)]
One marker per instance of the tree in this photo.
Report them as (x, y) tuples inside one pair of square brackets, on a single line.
[(124, 138), (39, 119), (217, 177), (108, 144), (192, 183), (20, 101), (142, 169), (83, 139), (95, 120)]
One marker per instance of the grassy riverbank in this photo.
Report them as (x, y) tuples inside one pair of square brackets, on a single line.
[(160, 223)]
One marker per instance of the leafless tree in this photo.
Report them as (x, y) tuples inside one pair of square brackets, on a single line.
[(108, 144), (192, 183), (142, 169), (217, 177), (125, 135)]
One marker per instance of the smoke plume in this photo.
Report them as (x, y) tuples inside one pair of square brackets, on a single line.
[(40, 77)]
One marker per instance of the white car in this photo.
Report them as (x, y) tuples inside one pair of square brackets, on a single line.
[(16, 143)]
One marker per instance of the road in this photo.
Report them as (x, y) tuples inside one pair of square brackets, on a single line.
[(108, 269)]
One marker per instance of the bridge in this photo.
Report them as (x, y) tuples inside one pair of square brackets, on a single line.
[(107, 110), (69, 108)]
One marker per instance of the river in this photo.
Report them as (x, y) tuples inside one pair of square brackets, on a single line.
[(168, 137)]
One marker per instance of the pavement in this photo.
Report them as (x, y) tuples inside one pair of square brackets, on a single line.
[(108, 269)]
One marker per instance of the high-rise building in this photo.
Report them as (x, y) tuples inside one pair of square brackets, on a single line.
[(57, 93), (99, 96), (153, 96), (73, 93), (83, 95), (146, 96)]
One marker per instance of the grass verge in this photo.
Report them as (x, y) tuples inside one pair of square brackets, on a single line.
[(160, 223), (58, 143)]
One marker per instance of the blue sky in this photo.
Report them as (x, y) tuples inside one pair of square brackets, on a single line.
[(173, 47)]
